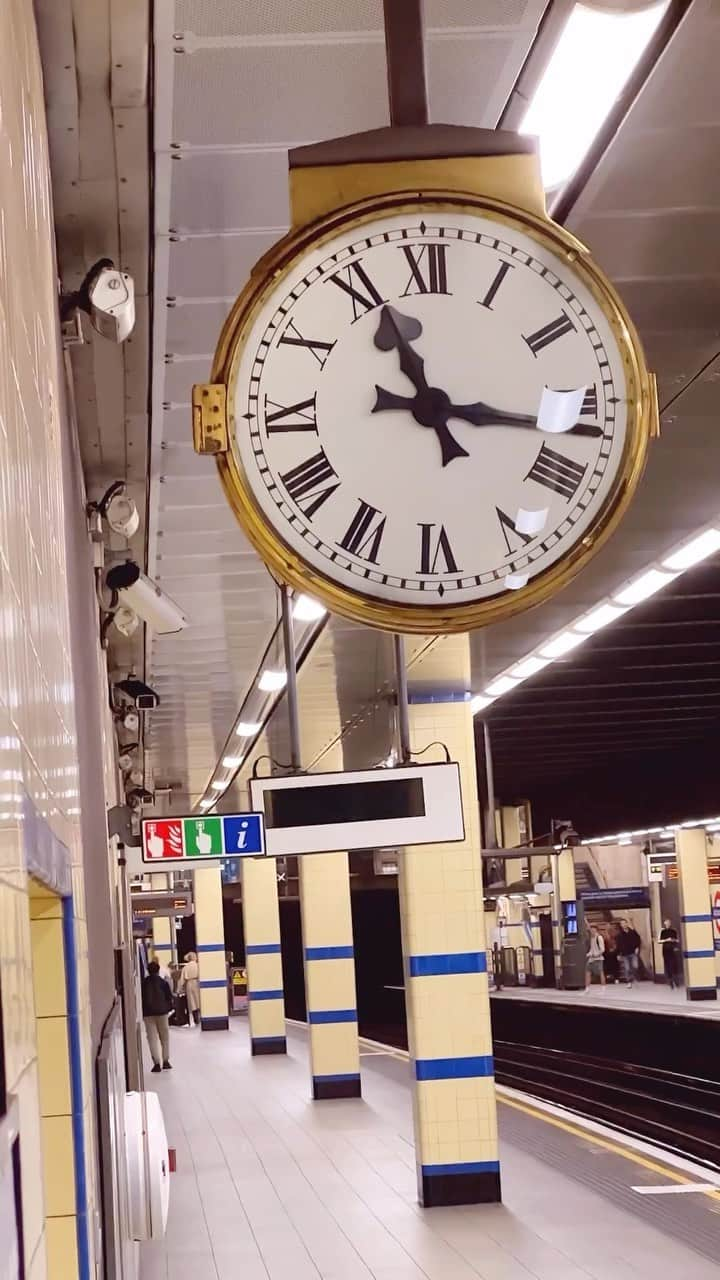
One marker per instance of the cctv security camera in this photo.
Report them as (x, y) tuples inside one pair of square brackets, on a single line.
[(140, 594), (141, 695), (107, 295), (118, 509), (126, 621), (128, 753)]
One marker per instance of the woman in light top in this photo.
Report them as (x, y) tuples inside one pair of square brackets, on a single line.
[(596, 955), (190, 986)]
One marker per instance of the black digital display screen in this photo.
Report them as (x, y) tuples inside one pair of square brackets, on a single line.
[(322, 805)]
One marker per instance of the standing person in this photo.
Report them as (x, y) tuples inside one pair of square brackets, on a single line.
[(157, 1002), (669, 940), (628, 945), (596, 955), (190, 985), (611, 961)]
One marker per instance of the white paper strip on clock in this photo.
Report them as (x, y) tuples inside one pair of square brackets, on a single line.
[(531, 522), (559, 410)]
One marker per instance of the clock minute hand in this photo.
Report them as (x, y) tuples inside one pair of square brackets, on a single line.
[(484, 415)]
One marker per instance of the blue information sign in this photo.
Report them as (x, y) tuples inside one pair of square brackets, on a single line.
[(243, 835)]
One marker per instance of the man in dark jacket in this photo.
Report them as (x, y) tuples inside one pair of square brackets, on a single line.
[(157, 1002), (628, 947)]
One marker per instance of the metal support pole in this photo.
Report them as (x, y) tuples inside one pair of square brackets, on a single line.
[(490, 832), (291, 674), (402, 700), (405, 49)]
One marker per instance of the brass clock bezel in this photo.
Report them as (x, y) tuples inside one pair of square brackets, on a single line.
[(441, 618)]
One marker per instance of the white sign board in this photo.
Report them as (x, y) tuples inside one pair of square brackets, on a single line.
[(367, 809)]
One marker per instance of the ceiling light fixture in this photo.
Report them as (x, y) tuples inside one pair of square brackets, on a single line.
[(207, 803), (272, 681), (631, 593), (562, 644), (232, 762), (643, 587), (698, 549), (529, 667), (502, 685), (218, 786), (590, 65), (248, 728), (305, 609), (599, 618)]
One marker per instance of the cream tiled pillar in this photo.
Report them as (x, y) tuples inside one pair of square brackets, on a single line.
[(163, 928), (263, 957), (210, 942), (696, 926), (510, 826), (446, 988), (52, 1014), (330, 991), (564, 890)]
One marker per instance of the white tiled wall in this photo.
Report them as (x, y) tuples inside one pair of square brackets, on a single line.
[(38, 755)]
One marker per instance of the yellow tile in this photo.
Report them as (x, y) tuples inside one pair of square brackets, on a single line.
[(48, 964), (53, 1066), (58, 1165), (61, 1243)]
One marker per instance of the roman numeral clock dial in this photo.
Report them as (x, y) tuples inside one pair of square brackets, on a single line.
[(434, 415)]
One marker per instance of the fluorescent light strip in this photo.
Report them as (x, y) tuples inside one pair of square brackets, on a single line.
[(626, 837), (590, 65), (635, 591)]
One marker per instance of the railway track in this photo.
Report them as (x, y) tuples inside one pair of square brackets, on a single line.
[(679, 1113)]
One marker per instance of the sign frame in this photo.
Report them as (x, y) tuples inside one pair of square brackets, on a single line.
[(221, 823)]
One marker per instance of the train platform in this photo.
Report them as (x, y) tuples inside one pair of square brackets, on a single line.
[(642, 997), (271, 1186)]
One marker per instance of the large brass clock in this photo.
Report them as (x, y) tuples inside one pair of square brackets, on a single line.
[(437, 409)]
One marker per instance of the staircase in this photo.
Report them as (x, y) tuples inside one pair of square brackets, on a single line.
[(585, 879)]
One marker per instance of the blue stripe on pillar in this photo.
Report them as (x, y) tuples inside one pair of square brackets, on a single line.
[(262, 949), (699, 955), (450, 963), (702, 919), (471, 1166), (161, 946), (332, 1015), (205, 983), (453, 1068), (277, 994), (211, 946), (329, 953)]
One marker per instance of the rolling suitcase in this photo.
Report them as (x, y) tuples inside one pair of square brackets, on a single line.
[(179, 1016)]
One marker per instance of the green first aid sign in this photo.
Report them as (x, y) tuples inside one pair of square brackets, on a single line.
[(203, 837)]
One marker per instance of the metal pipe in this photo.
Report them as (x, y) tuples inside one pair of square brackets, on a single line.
[(405, 51), (490, 832), (402, 700), (291, 674)]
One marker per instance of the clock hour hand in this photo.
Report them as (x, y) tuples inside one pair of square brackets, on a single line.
[(395, 332), (483, 415)]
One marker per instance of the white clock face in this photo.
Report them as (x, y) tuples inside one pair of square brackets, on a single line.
[(430, 408)]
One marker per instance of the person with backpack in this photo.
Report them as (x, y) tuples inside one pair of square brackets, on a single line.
[(628, 945), (157, 1001)]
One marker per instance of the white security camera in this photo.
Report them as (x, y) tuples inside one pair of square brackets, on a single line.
[(128, 754), (107, 295), (125, 620), (119, 509), (140, 594)]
